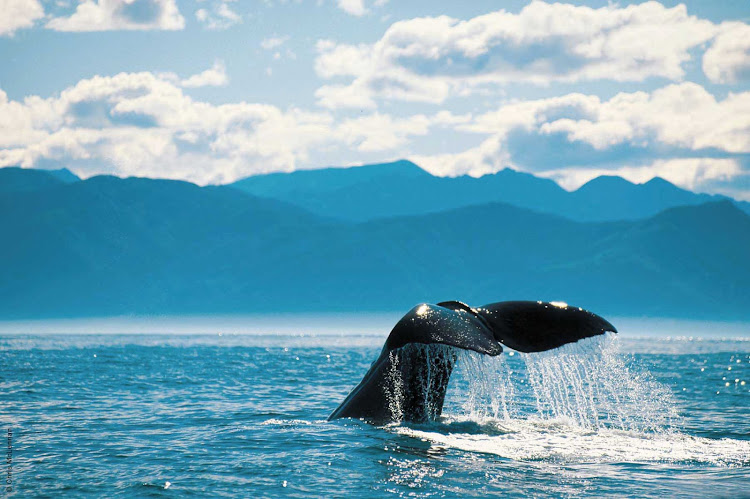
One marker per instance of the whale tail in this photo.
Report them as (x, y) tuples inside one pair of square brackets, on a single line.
[(409, 379)]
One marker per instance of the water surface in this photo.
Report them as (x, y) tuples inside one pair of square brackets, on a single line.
[(227, 414)]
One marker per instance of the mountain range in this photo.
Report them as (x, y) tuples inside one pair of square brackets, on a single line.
[(402, 188), (111, 246)]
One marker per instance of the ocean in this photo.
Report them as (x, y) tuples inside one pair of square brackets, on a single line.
[(217, 408)]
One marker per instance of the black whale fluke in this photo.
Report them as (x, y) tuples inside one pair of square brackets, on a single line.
[(409, 379)]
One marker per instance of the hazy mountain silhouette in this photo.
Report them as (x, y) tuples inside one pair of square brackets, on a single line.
[(65, 175), (110, 246), (402, 188), (14, 179)]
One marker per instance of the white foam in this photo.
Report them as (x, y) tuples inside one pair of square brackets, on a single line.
[(562, 441)]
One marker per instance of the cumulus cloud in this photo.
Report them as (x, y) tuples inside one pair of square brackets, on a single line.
[(218, 16), (682, 115), (489, 157), (215, 76), (18, 14), (106, 15), (344, 96), (353, 7), (728, 59), (689, 173), (144, 124), (358, 8), (680, 132), (429, 59), (381, 132)]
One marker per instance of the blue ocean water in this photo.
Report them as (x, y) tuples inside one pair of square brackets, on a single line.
[(221, 414)]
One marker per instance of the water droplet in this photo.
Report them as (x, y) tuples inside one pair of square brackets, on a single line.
[(283, 484), (703, 369), (167, 485)]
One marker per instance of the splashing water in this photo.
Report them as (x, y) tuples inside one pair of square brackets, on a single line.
[(418, 377), (582, 401), (591, 384), (587, 384), (394, 389)]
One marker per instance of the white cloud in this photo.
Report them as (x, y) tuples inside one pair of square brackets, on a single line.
[(106, 15), (728, 58), (488, 157), (682, 121), (18, 14), (219, 16), (273, 42), (357, 8), (215, 76), (429, 59), (353, 7), (683, 115), (689, 173), (381, 132), (143, 124), (343, 96)]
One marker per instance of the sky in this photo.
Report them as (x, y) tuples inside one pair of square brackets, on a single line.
[(211, 91)]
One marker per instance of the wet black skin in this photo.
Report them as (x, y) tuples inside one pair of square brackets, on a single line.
[(525, 326)]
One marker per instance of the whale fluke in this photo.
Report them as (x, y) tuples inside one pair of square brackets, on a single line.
[(409, 378), (531, 326)]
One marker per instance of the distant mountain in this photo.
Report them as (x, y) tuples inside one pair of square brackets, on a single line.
[(14, 179), (399, 188), (107, 245), (617, 199), (402, 188), (65, 175), (110, 246)]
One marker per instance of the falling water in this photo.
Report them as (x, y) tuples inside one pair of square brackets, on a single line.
[(588, 384), (418, 377), (591, 384)]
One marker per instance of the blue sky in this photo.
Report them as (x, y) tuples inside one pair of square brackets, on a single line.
[(214, 90)]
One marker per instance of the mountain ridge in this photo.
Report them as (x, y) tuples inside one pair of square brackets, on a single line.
[(365, 195), (110, 246)]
